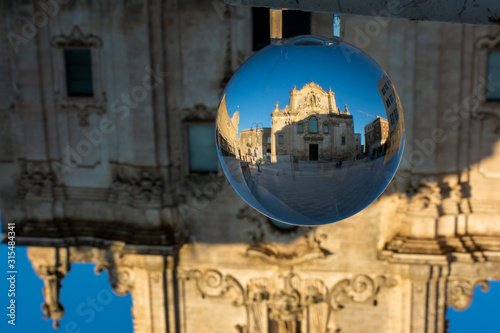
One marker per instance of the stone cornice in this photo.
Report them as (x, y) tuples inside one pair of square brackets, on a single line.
[(442, 250)]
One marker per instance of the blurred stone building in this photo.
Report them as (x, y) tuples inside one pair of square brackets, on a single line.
[(98, 100)]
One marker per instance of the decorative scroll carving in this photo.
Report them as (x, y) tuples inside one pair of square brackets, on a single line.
[(198, 112), (83, 111), (121, 277), (459, 292), (359, 289), (281, 300), (213, 283), (140, 184), (76, 38), (37, 179)]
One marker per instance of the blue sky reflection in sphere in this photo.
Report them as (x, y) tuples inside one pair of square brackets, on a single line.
[(310, 131)]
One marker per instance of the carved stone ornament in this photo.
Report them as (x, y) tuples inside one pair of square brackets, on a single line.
[(282, 300), (198, 112), (212, 283), (51, 265), (306, 249), (121, 278), (84, 110), (459, 292), (424, 193), (76, 38), (359, 289), (282, 247), (37, 179), (140, 184)]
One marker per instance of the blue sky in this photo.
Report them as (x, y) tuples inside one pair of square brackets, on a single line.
[(269, 76), (81, 283)]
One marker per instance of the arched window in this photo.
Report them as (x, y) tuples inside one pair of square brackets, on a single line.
[(313, 125)]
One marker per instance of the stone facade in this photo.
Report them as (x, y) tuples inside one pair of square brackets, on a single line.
[(255, 144), (376, 135), (227, 129), (311, 127), (105, 179)]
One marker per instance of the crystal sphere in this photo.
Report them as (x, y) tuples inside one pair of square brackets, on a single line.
[(310, 130)]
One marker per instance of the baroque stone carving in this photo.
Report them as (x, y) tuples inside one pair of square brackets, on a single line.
[(83, 111), (213, 283), (307, 249), (36, 180), (76, 38), (281, 300), (459, 292), (274, 246), (198, 112), (51, 265), (424, 193), (121, 277), (359, 289), (141, 185)]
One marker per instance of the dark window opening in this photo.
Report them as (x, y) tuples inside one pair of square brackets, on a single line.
[(343, 140), (295, 23), (78, 72), (260, 28)]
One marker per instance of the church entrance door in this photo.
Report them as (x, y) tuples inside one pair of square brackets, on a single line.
[(313, 152)]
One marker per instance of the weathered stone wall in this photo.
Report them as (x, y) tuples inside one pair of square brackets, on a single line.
[(187, 243)]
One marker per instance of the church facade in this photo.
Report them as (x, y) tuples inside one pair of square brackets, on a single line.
[(311, 128)]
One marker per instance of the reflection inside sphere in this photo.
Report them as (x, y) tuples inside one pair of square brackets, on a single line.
[(310, 131)]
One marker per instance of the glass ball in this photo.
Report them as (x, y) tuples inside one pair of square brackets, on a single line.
[(310, 130)]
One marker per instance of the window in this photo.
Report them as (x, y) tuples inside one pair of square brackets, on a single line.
[(357, 139), (269, 140), (396, 114), (383, 90), (386, 87), (392, 119), (313, 125), (244, 140), (202, 152), (343, 140), (280, 139), (493, 91), (295, 22), (356, 147), (325, 129), (250, 140), (300, 128), (260, 28), (78, 72), (391, 98), (388, 102)]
